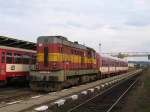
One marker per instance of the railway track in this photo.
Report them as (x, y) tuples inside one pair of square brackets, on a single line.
[(26, 101), (9, 95), (106, 101)]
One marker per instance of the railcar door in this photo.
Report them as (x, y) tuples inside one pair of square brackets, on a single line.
[(46, 56), (3, 65)]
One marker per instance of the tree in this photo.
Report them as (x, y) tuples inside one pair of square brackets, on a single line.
[(120, 55)]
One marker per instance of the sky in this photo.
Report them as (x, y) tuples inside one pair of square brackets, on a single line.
[(119, 25)]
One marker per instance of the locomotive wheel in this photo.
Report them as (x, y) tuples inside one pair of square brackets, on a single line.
[(51, 87), (45, 87), (33, 87)]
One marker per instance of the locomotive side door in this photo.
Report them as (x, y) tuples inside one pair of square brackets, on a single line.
[(2, 65), (66, 69)]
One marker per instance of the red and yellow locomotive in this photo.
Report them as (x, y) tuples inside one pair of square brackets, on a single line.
[(62, 63)]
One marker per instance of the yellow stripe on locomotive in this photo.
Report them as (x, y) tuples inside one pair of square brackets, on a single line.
[(58, 57)]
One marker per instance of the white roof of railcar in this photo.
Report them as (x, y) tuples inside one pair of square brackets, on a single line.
[(17, 49), (114, 58)]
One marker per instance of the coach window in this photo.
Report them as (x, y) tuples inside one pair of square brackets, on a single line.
[(3, 57), (33, 59), (26, 59), (9, 58), (17, 58)]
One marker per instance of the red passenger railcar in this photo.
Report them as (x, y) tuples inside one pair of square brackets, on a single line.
[(15, 63), (111, 66)]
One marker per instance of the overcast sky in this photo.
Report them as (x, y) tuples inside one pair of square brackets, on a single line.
[(119, 25)]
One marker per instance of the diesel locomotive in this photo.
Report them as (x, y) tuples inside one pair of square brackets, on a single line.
[(61, 63)]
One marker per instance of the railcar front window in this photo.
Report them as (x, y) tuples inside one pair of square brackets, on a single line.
[(33, 59), (9, 58), (17, 58), (26, 59), (46, 56), (3, 57)]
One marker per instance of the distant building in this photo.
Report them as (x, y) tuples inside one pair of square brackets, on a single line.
[(131, 65), (138, 63)]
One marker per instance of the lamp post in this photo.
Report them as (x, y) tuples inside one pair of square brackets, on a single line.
[(100, 49)]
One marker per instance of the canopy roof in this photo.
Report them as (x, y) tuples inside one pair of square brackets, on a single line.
[(11, 42)]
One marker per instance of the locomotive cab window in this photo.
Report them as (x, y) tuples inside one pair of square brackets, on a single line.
[(9, 58), (94, 55)]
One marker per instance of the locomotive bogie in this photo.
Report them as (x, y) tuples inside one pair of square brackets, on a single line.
[(59, 79), (59, 75)]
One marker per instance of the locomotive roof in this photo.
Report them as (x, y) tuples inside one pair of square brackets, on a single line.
[(62, 40), (16, 43)]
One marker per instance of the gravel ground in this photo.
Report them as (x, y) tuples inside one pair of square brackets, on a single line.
[(138, 99)]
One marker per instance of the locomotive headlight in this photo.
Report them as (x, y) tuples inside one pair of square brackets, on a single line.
[(54, 64)]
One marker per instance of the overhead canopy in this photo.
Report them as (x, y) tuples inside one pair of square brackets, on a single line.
[(11, 42)]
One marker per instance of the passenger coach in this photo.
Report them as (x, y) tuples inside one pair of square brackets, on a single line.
[(15, 63)]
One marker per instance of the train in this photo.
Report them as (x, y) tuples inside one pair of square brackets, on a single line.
[(62, 64), (15, 63)]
